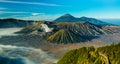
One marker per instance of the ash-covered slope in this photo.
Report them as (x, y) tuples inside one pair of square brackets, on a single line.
[(111, 29), (69, 32), (31, 28), (64, 36), (81, 28)]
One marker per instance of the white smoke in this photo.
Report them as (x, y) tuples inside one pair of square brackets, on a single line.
[(45, 28), (28, 55)]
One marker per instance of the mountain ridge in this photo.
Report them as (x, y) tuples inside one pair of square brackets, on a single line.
[(84, 30), (11, 23), (70, 18)]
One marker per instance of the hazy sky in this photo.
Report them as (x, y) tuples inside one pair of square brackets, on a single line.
[(50, 9)]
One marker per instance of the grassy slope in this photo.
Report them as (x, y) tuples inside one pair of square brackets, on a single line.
[(91, 55)]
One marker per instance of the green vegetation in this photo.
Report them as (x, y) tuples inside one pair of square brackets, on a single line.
[(113, 52), (90, 55)]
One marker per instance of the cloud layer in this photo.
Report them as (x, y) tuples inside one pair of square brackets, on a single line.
[(33, 3), (10, 12), (27, 55)]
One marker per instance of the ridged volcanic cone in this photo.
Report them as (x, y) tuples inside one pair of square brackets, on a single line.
[(64, 36)]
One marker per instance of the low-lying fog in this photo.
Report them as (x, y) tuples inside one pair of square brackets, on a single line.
[(21, 55), (24, 55), (8, 31)]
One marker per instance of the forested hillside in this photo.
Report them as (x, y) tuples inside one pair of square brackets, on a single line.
[(89, 55)]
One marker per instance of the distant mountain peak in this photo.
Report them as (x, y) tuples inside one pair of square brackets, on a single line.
[(67, 15), (70, 18), (9, 19), (83, 17)]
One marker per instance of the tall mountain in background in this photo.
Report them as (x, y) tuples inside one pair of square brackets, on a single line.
[(70, 18), (94, 21), (66, 18), (10, 22)]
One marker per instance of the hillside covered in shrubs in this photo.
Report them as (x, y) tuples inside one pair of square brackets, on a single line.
[(89, 55)]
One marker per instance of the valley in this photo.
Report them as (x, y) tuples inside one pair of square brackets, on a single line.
[(56, 38), (59, 31)]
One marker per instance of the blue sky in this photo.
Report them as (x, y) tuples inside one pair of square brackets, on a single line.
[(51, 9)]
